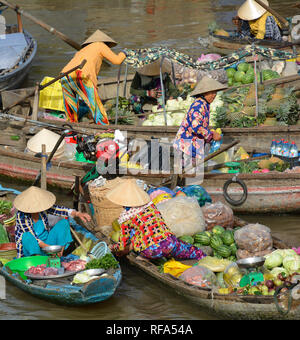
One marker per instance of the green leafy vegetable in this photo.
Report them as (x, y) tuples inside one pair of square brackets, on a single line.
[(105, 262)]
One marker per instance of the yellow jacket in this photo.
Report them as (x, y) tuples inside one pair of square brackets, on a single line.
[(258, 26)]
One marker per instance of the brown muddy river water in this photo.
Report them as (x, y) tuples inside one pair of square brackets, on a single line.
[(134, 24)]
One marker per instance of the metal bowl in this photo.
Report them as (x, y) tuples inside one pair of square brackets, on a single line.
[(52, 249), (94, 272), (251, 262)]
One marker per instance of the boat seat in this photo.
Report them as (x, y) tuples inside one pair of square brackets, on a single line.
[(12, 48)]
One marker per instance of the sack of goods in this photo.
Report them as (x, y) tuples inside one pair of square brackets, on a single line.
[(218, 214), (253, 240), (183, 215)]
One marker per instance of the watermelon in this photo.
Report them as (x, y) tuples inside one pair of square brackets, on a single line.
[(267, 74), (243, 67), (198, 245), (232, 258), (230, 72), (216, 242), (218, 230), (239, 83), (238, 76), (227, 238), (230, 81), (248, 78), (250, 70), (186, 239), (223, 251), (233, 249), (202, 238), (217, 255), (208, 233)]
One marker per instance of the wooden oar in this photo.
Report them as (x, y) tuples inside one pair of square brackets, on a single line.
[(47, 27), (41, 87), (278, 16)]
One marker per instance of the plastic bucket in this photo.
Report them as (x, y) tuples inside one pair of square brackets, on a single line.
[(24, 263)]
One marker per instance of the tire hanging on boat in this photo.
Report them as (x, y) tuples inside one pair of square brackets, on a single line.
[(243, 185)]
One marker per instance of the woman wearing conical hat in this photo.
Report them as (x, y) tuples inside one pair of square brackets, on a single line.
[(32, 231), (194, 130), (143, 229), (254, 21), (83, 83), (146, 85)]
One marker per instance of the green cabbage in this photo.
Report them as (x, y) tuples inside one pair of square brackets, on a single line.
[(273, 260), (291, 263)]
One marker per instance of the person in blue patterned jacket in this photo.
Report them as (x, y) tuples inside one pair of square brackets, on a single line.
[(32, 231)]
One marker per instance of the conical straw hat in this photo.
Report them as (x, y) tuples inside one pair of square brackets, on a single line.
[(128, 194), (153, 69), (34, 200), (46, 137), (251, 10), (100, 36), (207, 84)]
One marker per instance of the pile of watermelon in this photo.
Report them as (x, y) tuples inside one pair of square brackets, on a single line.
[(244, 74), (220, 240)]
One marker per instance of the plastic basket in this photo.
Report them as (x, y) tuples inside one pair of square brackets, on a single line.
[(51, 97), (21, 265), (105, 211)]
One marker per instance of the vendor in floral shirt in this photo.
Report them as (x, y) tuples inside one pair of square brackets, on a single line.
[(143, 229), (194, 131)]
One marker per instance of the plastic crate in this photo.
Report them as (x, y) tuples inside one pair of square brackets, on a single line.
[(51, 97)]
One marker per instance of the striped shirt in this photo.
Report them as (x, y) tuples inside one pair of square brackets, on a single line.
[(24, 223)]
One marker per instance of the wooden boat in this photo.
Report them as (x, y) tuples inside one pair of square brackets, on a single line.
[(272, 192), (232, 307), (20, 53), (253, 138), (61, 291), (231, 43)]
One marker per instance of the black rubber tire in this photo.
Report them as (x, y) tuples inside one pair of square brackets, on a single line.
[(228, 198)]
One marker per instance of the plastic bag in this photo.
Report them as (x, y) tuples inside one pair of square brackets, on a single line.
[(218, 214), (214, 264), (254, 238), (199, 276), (196, 191), (182, 215), (175, 268), (233, 275)]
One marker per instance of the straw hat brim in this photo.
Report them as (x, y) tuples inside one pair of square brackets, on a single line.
[(153, 69), (128, 194), (100, 36), (207, 84), (251, 10), (47, 137), (34, 200)]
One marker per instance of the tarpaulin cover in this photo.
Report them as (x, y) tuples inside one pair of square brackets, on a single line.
[(12, 48), (141, 57)]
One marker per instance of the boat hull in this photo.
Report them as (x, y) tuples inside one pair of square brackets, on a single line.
[(60, 291), (16, 77)]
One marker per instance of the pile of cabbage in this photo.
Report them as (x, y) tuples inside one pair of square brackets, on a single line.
[(176, 110), (285, 261)]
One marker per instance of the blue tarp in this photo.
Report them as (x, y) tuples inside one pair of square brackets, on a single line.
[(12, 48)]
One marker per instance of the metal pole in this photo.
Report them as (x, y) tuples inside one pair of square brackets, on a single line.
[(255, 81), (163, 90), (125, 81), (118, 91)]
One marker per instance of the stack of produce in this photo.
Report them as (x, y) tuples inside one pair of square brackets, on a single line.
[(218, 242), (236, 107), (244, 74), (176, 110)]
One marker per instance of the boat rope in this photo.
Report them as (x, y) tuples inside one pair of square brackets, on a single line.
[(141, 57)]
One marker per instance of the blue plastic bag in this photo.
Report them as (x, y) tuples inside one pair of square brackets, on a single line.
[(196, 191)]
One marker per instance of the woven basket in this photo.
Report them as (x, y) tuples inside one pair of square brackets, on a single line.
[(105, 211)]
